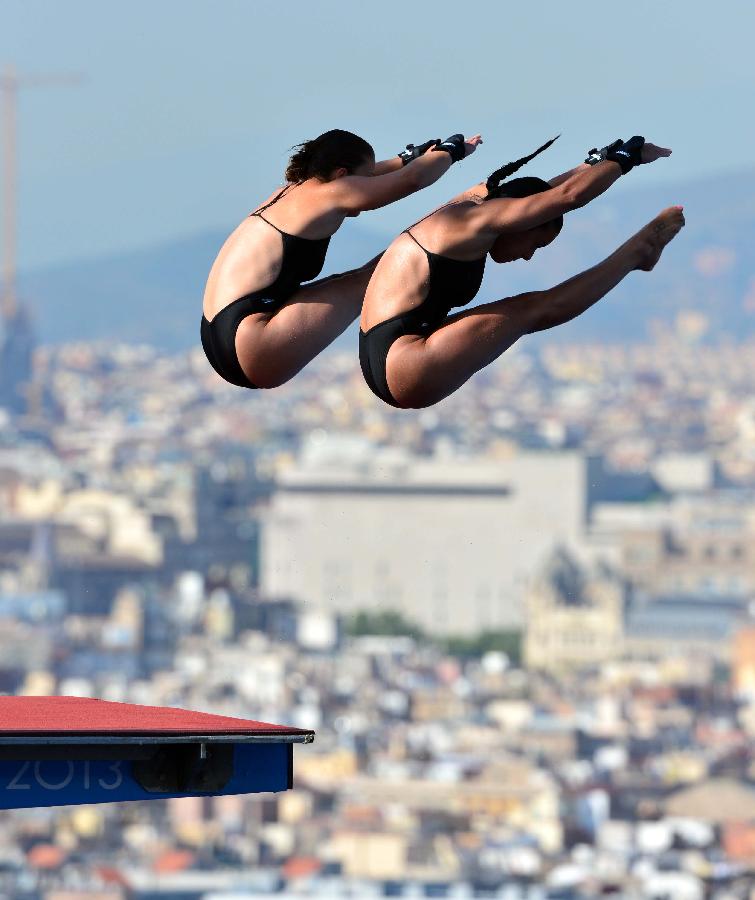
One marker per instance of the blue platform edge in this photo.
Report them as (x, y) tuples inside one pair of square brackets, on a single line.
[(64, 782)]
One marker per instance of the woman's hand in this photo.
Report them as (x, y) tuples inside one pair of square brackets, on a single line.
[(651, 152), (470, 144), (458, 147), (628, 154)]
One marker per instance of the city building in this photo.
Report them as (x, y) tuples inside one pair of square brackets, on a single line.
[(450, 543), (574, 620)]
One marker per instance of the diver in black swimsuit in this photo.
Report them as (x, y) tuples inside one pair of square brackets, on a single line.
[(302, 260), (261, 324), (451, 282), (412, 352)]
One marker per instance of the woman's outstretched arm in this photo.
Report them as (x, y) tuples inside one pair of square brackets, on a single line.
[(356, 193), (412, 152), (565, 176), (582, 185), (479, 191), (385, 166)]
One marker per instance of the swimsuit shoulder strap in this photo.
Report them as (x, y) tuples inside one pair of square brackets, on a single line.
[(275, 199), (407, 231), (439, 209)]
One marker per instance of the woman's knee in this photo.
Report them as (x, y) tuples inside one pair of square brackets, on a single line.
[(267, 377), (415, 396), (267, 382)]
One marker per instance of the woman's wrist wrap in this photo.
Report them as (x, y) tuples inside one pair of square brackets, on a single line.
[(627, 154), (415, 151), (454, 146)]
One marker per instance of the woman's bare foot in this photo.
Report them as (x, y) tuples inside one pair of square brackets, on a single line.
[(651, 239)]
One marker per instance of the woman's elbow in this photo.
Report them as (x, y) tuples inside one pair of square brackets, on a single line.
[(570, 197), (417, 180)]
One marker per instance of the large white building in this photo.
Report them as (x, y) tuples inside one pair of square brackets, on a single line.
[(449, 542)]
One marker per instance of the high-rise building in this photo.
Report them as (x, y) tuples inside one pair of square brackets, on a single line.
[(16, 352)]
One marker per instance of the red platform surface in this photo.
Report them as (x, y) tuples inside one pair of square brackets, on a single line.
[(33, 716)]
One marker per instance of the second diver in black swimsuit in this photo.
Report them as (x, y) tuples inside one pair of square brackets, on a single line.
[(412, 352)]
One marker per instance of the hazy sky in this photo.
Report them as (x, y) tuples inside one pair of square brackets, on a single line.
[(188, 108)]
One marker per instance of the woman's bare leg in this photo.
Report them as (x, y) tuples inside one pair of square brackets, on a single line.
[(273, 348), (424, 370)]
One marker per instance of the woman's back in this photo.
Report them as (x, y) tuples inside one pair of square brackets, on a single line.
[(294, 222), (439, 259)]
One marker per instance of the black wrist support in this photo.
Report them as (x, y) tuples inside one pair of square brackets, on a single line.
[(454, 146), (415, 151), (627, 154)]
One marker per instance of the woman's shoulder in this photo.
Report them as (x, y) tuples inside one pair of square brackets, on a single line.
[(271, 198)]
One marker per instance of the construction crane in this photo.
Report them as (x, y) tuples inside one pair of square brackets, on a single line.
[(10, 84)]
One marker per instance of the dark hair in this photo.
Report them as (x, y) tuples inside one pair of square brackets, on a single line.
[(334, 149), (493, 184), (520, 187)]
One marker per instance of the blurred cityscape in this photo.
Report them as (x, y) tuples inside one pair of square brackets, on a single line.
[(522, 623)]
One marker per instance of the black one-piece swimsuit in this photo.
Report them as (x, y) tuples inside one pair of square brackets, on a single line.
[(453, 282), (302, 261)]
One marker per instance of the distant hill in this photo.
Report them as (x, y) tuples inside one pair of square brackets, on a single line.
[(155, 295)]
